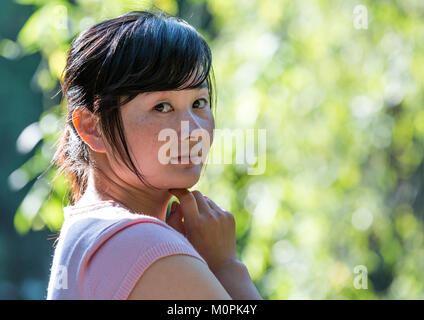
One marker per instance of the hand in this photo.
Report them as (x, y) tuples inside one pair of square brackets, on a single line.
[(209, 228), (175, 217)]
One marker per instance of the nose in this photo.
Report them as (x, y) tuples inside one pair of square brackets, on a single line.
[(189, 122), (192, 134)]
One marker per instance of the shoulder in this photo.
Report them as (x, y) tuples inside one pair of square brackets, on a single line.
[(125, 256), (178, 277), (150, 230), (147, 241), (113, 226), (148, 238)]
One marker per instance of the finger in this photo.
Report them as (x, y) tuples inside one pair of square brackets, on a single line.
[(213, 205), (170, 215), (222, 211), (202, 204), (188, 205), (175, 218)]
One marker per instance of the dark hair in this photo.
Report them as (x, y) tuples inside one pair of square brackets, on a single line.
[(140, 51)]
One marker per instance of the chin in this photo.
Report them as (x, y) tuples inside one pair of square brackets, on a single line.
[(184, 182)]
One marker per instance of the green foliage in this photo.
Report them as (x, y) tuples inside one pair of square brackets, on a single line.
[(345, 127)]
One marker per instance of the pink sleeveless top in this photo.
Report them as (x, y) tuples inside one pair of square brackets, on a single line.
[(103, 249)]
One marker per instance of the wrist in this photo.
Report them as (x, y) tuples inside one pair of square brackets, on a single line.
[(226, 264), (235, 278), (229, 265)]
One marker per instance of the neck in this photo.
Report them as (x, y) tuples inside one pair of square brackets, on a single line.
[(138, 200)]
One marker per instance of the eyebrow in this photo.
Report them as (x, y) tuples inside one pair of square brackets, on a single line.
[(201, 86)]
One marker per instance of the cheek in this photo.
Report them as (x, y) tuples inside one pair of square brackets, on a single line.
[(145, 144), (141, 136), (209, 127)]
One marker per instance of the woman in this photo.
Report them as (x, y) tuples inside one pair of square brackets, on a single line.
[(126, 81)]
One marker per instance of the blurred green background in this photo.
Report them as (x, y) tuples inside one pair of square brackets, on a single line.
[(340, 95)]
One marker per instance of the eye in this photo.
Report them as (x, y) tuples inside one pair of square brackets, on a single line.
[(199, 103), (202, 105), (167, 105)]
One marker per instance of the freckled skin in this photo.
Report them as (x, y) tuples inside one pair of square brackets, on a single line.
[(143, 118), (142, 125)]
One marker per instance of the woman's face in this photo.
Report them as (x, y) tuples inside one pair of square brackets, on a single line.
[(149, 114)]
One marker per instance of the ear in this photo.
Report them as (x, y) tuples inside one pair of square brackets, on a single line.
[(87, 126)]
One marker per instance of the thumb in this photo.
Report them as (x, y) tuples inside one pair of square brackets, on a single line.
[(187, 205), (175, 218)]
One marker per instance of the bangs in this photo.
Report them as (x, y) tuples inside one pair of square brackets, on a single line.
[(154, 54)]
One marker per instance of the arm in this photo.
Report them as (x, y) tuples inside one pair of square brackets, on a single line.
[(236, 280), (178, 277), (211, 231)]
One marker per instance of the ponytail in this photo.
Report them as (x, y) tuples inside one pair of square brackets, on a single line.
[(72, 159)]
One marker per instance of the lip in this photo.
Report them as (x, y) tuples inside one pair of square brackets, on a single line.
[(186, 158)]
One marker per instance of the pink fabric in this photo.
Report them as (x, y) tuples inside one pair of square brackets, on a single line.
[(103, 249)]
